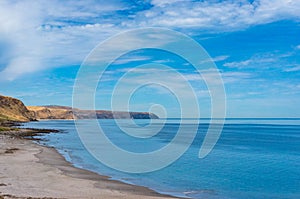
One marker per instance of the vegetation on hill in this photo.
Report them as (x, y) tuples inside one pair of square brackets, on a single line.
[(12, 109)]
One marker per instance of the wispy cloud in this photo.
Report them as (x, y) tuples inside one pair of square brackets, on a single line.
[(216, 59), (41, 34), (131, 59), (220, 58), (36, 35), (252, 62), (220, 15), (232, 77), (293, 69), (259, 60)]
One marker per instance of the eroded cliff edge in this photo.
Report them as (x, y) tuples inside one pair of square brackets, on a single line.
[(64, 112), (12, 109)]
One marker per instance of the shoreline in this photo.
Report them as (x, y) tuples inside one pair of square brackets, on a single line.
[(30, 170)]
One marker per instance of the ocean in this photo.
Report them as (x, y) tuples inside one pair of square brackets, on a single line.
[(253, 158)]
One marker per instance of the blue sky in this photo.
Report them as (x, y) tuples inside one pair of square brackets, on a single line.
[(255, 45)]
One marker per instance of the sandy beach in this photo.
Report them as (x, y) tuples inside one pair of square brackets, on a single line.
[(28, 170)]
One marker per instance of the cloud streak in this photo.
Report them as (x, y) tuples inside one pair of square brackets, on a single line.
[(293, 69), (36, 35), (46, 36), (260, 60), (218, 16)]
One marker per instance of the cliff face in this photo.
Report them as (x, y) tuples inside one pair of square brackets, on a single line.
[(14, 110), (124, 115), (63, 112), (51, 112)]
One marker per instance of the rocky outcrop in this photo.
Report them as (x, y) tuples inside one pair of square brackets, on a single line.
[(12, 109), (64, 112)]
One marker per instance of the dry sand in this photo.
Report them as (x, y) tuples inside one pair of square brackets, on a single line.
[(28, 170)]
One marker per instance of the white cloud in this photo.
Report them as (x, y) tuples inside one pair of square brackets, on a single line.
[(131, 59), (238, 64), (212, 76), (266, 60), (216, 59), (39, 35), (35, 35), (225, 15), (21, 37), (163, 3), (232, 77), (293, 69), (220, 58)]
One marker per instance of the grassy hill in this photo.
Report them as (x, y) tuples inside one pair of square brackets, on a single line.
[(12, 109)]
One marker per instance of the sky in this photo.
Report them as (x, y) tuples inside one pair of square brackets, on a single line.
[(254, 44)]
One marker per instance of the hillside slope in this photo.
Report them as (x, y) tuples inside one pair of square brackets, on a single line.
[(64, 112), (52, 112), (12, 109)]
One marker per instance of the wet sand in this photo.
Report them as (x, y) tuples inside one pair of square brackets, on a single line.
[(28, 170)]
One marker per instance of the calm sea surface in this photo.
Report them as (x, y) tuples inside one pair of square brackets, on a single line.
[(253, 158)]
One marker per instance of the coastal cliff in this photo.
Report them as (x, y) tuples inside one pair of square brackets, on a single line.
[(12, 109), (65, 112), (51, 112)]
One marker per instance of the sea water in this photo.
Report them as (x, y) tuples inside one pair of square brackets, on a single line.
[(253, 158)]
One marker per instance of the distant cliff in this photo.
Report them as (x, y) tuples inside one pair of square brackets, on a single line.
[(51, 112), (12, 109), (64, 112)]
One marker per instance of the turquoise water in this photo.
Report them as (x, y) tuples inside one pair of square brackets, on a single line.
[(253, 158)]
